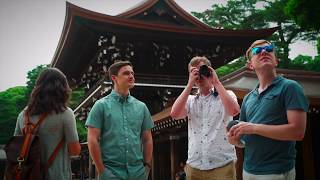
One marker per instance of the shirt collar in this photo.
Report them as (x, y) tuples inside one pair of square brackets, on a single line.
[(275, 81), (120, 98), (211, 92)]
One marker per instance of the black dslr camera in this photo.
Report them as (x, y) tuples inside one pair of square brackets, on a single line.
[(204, 71), (232, 123)]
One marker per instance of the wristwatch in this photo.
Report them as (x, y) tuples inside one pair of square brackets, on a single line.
[(147, 164)]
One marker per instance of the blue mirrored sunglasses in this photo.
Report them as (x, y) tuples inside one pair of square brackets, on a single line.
[(257, 50)]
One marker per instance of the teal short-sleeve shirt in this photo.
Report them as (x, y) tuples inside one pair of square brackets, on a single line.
[(121, 121), (264, 155)]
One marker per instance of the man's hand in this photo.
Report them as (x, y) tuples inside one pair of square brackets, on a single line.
[(193, 75), (242, 128), (214, 77), (235, 140)]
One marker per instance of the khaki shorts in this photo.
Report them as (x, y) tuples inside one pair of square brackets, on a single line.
[(227, 172)]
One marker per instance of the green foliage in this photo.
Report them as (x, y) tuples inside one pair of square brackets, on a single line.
[(244, 14), (12, 102), (32, 78), (240, 14), (318, 45), (306, 13), (230, 67), (75, 100), (76, 97), (306, 63), (82, 131)]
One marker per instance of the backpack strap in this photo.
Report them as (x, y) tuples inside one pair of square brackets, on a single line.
[(53, 155), (29, 136), (29, 127)]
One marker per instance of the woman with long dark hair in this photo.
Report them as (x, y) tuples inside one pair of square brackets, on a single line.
[(49, 97)]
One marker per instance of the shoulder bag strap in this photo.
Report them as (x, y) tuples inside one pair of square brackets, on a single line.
[(53, 155)]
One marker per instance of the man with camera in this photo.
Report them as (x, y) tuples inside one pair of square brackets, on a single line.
[(273, 116), (210, 156)]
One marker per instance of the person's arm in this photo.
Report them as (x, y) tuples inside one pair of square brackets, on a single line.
[(179, 110), (74, 148), (230, 105), (147, 145), (70, 133), (293, 131), (94, 148)]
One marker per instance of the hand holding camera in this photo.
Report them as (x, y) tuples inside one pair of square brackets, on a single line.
[(241, 143), (231, 124)]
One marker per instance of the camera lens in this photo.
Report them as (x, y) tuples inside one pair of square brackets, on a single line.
[(204, 71)]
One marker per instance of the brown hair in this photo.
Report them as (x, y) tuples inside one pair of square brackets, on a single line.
[(50, 93), (197, 59), (116, 66), (254, 44)]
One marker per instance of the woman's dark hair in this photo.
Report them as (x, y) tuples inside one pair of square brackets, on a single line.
[(50, 93)]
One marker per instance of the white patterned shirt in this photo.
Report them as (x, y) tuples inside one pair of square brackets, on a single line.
[(208, 146)]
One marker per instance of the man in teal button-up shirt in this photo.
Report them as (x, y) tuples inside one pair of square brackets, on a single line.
[(119, 130)]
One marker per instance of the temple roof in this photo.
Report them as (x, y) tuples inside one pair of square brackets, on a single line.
[(151, 24), (163, 11)]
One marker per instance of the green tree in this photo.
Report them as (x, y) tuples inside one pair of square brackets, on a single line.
[(306, 13), (230, 67), (306, 62), (244, 14), (11, 103), (32, 76)]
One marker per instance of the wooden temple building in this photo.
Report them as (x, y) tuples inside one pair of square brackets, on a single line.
[(159, 38)]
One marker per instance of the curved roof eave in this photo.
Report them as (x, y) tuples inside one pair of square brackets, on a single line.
[(145, 5), (73, 11)]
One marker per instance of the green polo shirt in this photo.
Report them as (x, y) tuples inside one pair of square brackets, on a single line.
[(264, 155), (121, 121)]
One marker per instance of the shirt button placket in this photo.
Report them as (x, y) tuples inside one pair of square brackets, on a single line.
[(125, 123)]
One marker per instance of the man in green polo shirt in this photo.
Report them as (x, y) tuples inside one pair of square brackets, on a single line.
[(119, 130), (273, 117)]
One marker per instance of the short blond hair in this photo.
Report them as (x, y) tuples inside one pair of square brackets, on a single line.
[(254, 44), (197, 60)]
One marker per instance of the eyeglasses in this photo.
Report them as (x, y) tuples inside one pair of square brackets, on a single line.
[(257, 50)]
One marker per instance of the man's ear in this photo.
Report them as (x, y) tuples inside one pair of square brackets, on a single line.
[(249, 65), (113, 78)]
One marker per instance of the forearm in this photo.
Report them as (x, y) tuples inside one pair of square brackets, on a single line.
[(95, 152), (285, 132), (178, 107), (147, 151), (230, 105)]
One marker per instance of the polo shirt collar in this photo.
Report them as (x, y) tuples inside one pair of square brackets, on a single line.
[(120, 98), (275, 81)]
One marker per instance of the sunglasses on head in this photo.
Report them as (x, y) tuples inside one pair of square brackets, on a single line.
[(257, 50)]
